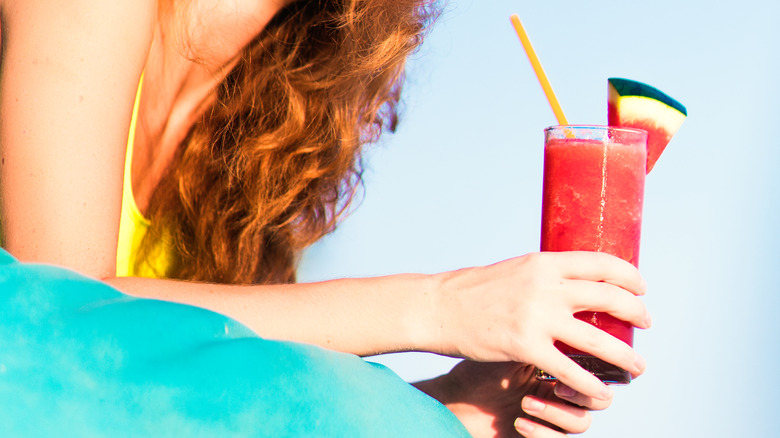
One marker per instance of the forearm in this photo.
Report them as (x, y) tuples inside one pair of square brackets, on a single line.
[(360, 316)]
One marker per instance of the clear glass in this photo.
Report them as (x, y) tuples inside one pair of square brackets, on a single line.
[(594, 178)]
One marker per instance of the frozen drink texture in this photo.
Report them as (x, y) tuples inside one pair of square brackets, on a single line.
[(593, 192)]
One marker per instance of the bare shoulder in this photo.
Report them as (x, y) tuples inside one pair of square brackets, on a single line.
[(85, 15), (67, 84), (76, 39)]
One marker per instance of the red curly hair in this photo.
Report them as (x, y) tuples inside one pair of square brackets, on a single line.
[(275, 161)]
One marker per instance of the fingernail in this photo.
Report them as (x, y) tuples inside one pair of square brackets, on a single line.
[(643, 285), (640, 364), (648, 321), (563, 391), (532, 406), (524, 426)]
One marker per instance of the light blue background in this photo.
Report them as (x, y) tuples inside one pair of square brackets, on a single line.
[(459, 185)]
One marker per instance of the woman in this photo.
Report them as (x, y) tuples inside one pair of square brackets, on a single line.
[(245, 148)]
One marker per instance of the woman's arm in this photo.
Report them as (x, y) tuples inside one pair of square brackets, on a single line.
[(360, 316), (509, 311), (69, 76)]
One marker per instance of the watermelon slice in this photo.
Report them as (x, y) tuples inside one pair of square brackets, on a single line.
[(633, 104)]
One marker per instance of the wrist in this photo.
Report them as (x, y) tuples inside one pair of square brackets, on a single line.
[(426, 325), (399, 313)]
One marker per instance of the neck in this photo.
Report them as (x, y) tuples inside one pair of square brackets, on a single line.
[(213, 32), (193, 50)]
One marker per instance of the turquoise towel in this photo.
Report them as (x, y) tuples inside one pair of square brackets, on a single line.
[(79, 358)]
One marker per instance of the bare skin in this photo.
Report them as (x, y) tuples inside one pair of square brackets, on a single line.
[(66, 97), (504, 399)]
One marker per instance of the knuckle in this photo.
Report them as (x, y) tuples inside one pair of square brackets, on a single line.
[(568, 372), (534, 260), (628, 356), (606, 292), (592, 339)]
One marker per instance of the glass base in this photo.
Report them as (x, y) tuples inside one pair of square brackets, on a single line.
[(605, 371)]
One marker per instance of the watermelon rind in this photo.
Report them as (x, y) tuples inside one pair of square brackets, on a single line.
[(628, 87), (636, 105)]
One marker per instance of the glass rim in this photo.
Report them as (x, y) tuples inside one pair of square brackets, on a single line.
[(596, 128)]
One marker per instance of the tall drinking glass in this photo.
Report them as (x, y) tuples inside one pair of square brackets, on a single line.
[(594, 178)]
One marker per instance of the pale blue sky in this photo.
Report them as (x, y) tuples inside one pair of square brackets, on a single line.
[(460, 184)]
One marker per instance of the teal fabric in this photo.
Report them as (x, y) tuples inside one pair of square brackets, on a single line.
[(79, 358)]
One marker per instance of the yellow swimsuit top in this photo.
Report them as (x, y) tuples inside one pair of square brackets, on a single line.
[(133, 225)]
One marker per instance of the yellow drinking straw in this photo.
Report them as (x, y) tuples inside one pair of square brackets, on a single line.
[(529, 50)]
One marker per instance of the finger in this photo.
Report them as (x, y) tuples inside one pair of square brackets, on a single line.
[(530, 429), (599, 266), (593, 340), (606, 297), (555, 363), (565, 393), (571, 419)]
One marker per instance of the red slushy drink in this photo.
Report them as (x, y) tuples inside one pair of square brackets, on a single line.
[(594, 178)]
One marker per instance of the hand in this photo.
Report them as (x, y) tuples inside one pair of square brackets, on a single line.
[(515, 310), (505, 400)]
